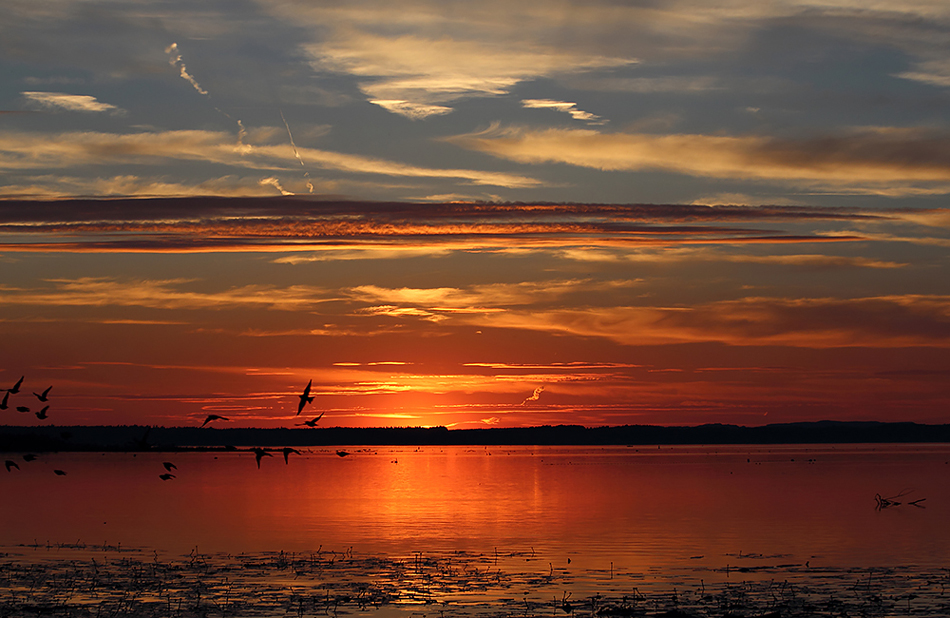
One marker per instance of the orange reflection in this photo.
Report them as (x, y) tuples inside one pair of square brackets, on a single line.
[(640, 508)]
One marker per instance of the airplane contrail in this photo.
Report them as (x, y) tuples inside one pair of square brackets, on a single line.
[(242, 133), (534, 396), (296, 154), (177, 62)]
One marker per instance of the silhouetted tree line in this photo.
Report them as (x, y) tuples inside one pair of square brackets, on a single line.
[(137, 437)]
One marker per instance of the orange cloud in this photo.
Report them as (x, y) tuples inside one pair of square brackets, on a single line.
[(885, 321), (163, 294), (490, 296)]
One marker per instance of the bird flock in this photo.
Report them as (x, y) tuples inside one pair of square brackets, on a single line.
[(43, 397), (142, 444), (41, 414), (259, 453)]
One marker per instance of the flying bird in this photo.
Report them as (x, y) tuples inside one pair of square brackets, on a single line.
[(313, 422), (305, 398), (287, 451), (29, 457), (169, 466), (213, 417), (259, 454), (42, 414), (3, 404), (59, 472), (11, 464), (16, 387), (22, 409), (342, 453), (166, 476), (43, 397)]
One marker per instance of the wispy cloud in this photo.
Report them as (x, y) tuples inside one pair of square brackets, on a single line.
[(68, 102), (686, 254), (568, 366), (650, 85), (416, 75), (933, 218), (415, 111), (876, 160), (44, 187), (424, 55), (812, 261), (159, 294), (25, 151), (887, 321), (565, 107), (486, 298)]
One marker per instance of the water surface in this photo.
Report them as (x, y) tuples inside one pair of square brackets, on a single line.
[(623, 508)]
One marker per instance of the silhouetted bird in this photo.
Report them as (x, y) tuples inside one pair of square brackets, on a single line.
[(22, 409), (305, 398), (42, 413), (16, 387), (260, 453), (59, 472), (166, 476), (287, 451), (342, 453), (11, 464), (29, 457), (213, 417), (3, 404), (169, 465), (43, 397), (313, 422)]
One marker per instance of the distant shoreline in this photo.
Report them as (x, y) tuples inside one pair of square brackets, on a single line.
[(145, 438)]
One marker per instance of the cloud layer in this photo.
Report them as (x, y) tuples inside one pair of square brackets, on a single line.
[(879, 160)]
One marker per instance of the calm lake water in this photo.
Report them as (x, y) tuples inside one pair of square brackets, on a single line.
[(622, 508)]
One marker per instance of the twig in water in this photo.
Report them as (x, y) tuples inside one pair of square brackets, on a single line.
[(883, 503)]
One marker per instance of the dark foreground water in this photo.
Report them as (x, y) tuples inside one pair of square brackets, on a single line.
[(520, 531)]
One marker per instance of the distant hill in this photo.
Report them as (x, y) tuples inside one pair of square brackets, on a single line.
[(136, 437)]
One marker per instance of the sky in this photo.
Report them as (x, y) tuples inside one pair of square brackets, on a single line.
[(475, 214)]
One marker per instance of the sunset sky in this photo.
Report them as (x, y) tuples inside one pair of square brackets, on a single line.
[(475, 214)]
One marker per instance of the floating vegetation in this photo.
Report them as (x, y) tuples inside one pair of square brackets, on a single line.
[(108, 581)]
